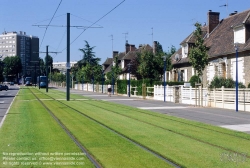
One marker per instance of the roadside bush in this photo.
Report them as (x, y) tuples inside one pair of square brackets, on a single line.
[(248, 85), (194, 79), (218, 82), (122, 85)]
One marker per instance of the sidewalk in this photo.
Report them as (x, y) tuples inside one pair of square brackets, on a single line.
[(239, 121)]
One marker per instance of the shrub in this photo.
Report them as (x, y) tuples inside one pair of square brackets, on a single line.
[(248, 85), (218, 82), (194, 79)]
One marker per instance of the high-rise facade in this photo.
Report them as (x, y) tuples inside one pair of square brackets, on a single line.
[(22, 45)]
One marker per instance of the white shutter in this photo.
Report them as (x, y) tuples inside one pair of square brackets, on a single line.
[(185, 73)]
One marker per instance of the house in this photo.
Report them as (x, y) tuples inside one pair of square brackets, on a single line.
[(221, 37), (124, 58)]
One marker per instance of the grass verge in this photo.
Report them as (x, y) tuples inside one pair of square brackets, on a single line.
[(31, 138)]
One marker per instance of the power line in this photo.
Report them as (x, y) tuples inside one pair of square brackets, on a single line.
[(50, 22), (84, 19), (95, 23), (49, 19)]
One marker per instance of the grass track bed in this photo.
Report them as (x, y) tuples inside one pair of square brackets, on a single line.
[(206, 135), (29, 128), (183, 150), (110, 106), (58, 94), (108, 148)]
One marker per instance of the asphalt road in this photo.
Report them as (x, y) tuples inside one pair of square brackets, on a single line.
[(6, 97), (226, 118)]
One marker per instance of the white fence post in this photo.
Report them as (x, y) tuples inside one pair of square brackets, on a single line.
[(214, 98), (222, 96), (190, 95)]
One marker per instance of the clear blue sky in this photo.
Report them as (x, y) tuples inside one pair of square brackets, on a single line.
[(172, 21)]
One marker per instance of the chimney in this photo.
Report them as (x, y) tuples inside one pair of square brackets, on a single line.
[(115, 53), (127, 47), (213, 19), (132, 48), (154, 47)]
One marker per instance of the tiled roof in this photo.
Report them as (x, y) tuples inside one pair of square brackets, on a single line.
[(191, 38), (108, 61), (108, 69), (130, 55), (221, 40), (121, 55)]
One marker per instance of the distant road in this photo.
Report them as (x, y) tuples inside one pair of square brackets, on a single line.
[(6, 97)]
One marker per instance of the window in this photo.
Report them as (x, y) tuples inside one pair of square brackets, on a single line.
[(239, 34), (184, 50)]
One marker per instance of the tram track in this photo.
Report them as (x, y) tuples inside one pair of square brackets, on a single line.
[(82, 148), (170, 130), (92, 159), (170, 119)]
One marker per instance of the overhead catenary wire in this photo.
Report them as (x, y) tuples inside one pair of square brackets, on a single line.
[(94, 23), (50, 22), (83, 19)]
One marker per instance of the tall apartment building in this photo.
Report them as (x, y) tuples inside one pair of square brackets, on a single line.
[(22, 45)]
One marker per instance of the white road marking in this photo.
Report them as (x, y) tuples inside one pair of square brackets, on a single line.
[(240, 127), (172, 107), (117, 99), (96, 95), (1, 102)]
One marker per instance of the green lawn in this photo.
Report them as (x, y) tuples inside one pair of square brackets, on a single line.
[(30, 128), (181, 149), (108, 148)]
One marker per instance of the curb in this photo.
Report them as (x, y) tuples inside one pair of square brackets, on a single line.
[(1, 123)]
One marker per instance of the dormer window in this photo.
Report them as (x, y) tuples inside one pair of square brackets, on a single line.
[(239, 34), (184, 48)]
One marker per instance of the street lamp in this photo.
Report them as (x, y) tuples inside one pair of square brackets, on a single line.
[(82, 82), (113, 80), (236, 82), (129, 65), (102, 77), (164, 74)]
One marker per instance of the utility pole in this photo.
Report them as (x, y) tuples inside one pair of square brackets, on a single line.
[(68, 57), (68, 49), (46, 60)]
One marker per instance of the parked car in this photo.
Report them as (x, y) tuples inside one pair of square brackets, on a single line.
[(4, 87), (11, 83)]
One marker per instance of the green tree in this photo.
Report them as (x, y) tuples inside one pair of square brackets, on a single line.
[(115, 72), (169, 53), (12, 66), (146, 64), (198, 56), (50, 63), (42, 66), (88, 56), (1, 70)]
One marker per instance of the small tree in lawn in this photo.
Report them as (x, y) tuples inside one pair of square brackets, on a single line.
[(198, 56)]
